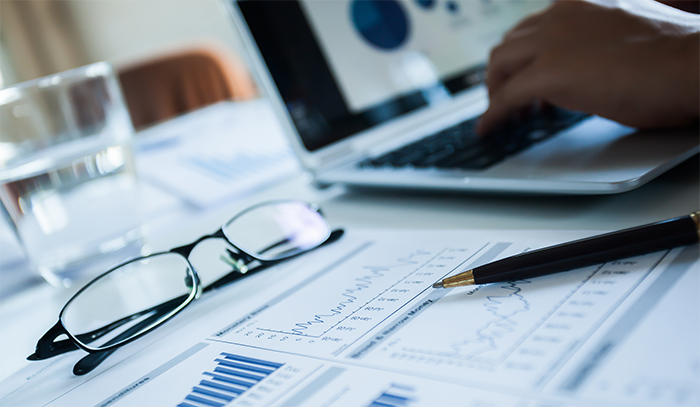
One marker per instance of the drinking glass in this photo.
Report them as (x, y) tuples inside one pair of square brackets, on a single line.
[(67, 177)]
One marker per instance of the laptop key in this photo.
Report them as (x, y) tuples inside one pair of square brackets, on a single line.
[(408, 158), (433, 158), (455, 160), (482, 162)]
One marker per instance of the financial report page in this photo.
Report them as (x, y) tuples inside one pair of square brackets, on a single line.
[(357, 323)]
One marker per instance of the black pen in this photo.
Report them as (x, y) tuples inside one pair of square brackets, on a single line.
[(636, 241)]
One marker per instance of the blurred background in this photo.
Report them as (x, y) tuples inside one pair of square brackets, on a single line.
[(42, 37), (170, 56)]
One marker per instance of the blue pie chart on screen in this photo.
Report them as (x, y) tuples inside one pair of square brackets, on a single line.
[(382, 23), (426, 4)]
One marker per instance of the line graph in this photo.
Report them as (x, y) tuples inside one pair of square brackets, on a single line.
[(506, 325), (329, 313), (504, 307), (351, 297), (502, 317), (520, 330), (363, 283)]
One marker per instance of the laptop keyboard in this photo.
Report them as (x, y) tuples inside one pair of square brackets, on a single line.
[(459, 147)]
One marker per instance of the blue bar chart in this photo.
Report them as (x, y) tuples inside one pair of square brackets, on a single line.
[(232, 376), (396, 395)]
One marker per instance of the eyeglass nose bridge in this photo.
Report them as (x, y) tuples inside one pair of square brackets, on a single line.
[(186, 250), (239, 257)]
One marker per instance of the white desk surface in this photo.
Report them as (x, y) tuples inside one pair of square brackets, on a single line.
[(26, 315)]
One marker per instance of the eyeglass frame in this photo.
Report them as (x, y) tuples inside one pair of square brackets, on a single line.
[(47, 347)]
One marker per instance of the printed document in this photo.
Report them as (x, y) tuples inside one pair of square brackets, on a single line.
[(357, 323)]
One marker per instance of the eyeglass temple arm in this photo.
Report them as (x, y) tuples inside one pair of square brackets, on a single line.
[(272, 246), (48, 347), (233, 276), (88, 363), (335, 235)]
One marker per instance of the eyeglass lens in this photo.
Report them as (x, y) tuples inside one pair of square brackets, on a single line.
[(129, 300), (277, 231)]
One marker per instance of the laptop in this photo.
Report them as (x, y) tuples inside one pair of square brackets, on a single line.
[(386, 93)]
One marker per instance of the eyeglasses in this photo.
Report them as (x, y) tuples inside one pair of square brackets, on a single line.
[(135, 297)]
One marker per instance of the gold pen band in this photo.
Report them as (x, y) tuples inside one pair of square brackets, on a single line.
[(695, 216), (461, 279)]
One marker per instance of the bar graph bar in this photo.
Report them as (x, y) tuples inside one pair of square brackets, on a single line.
[(232, 376), (396, 396)]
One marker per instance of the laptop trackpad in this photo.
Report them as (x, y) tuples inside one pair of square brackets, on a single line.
[(599, 150)]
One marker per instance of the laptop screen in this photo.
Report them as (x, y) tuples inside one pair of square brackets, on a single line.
[(344, 66)]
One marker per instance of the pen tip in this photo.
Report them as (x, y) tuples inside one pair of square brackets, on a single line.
[(438, 285)]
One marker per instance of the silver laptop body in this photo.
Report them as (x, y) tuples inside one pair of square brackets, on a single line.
[(302, 54)]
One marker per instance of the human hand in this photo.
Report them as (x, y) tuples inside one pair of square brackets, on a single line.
[(632, 61)]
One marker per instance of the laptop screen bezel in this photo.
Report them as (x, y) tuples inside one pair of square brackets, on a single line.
[(456, 84)]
